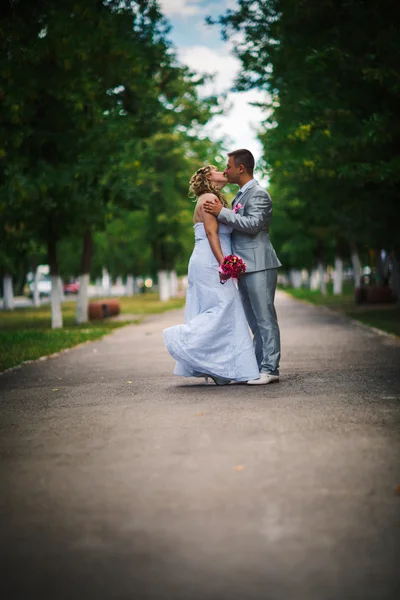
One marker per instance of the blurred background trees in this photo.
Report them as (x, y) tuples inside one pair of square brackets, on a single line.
[(101, 129), (97, 120), (330, 73)]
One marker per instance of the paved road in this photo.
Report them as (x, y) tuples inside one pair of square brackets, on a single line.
[(121, 481)]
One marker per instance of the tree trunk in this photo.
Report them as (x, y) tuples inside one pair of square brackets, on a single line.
[(295, 278), (82, 302), (173, 284), (36, 294), (61, 289), (56, 313), (8, 293), (163, 286), (314, 281), (338, 277), (106, 283), (130, 285), (321, 276), (99, 287), (355, 259)]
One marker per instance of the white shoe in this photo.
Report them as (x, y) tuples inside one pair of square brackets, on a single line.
[(263, 379)]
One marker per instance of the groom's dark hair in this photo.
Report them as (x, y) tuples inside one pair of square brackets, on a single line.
[(245, 158)]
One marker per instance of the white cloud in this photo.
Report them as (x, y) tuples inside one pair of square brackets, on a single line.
[(206, 60), (182, 8), (188, 8), (237, 126)]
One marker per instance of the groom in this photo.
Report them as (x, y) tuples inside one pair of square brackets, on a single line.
[(250, 219)]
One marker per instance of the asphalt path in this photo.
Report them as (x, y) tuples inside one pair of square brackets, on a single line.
[(122, 481)]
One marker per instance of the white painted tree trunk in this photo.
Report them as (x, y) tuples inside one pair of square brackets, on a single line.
[(82, 301), (314, 280), (295, 278), (129, 286), (305, 278), (338, 277), (321, 276), (106, 283), (61, 290), (98, 286), (8, 293), (56, 314), (163, 286), (36, 295), (173, 284), (355, 259)]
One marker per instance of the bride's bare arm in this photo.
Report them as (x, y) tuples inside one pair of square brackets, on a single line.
[(211, 227)]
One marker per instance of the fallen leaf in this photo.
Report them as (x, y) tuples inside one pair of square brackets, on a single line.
[(129, 382), (397, 490), (239, 468), (55, 389), (199, 414)]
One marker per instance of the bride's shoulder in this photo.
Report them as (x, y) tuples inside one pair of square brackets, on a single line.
[(207, 196)]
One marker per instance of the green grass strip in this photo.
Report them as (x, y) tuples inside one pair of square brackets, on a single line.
[(30, 344), (26, 334)]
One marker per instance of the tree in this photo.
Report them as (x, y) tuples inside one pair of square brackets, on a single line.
[(332, 90), (114, 83)]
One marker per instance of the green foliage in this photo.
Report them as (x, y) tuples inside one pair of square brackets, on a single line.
[(330, 73), (90, 93)]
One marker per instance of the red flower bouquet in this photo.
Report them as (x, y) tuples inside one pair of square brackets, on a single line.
[(231, 267)]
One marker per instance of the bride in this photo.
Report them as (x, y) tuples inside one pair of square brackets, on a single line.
[(215, 339)]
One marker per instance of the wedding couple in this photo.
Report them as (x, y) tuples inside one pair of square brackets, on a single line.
[(215, 340)]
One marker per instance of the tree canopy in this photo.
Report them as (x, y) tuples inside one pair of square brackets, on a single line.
[(330, 74)]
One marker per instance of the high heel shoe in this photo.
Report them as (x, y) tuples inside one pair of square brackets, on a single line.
[(216, 380), (219, 380)]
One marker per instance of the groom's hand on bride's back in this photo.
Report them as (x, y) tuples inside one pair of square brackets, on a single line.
[(213, 206)]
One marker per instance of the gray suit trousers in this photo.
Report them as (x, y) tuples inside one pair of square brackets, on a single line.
[(257, 290)]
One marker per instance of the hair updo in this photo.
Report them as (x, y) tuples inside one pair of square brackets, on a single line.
[(200, 183)]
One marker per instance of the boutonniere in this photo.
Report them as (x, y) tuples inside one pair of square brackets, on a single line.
[(237, 207)]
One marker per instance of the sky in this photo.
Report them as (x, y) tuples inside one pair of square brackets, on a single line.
[(201, 48)]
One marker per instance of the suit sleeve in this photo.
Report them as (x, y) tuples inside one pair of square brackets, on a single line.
[(258, 213)]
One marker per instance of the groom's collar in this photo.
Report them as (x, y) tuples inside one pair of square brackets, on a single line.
[(247, 185)]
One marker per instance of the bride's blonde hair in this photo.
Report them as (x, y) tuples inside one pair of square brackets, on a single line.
[(200, 183)]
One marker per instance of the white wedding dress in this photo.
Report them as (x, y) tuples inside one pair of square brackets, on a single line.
[(215, 339)]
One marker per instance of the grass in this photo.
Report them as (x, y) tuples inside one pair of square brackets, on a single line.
[(26, 334), (385, 317)]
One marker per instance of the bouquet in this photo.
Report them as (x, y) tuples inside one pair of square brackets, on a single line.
[(232, 266)]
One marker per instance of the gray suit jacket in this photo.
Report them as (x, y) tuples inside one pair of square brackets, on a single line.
[(250, 239)]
